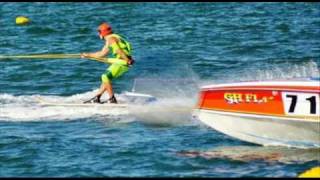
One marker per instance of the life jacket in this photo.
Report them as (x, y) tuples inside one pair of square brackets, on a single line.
[(122, 44)]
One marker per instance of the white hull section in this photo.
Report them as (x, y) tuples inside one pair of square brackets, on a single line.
[(301, 83), (264, 130)]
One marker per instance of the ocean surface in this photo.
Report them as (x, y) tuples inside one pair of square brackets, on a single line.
[(178, 47)]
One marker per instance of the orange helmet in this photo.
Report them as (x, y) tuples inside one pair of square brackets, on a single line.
[(104, 29)]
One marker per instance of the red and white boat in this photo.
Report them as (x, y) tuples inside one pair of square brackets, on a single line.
[(282, 112)]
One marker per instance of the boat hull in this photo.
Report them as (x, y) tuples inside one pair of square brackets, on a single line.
[(267, 113), (264, 130)]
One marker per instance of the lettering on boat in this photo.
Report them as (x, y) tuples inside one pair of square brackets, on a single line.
[(236, 98)]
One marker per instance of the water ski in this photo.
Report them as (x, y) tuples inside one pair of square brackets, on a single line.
[(127, 98)]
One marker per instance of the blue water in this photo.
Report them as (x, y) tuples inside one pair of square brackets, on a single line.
[(192, 43)]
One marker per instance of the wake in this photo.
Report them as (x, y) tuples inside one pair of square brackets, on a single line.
[(146, 109), (28, 108)]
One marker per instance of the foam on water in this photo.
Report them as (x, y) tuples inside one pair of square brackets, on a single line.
[(272, 72), (176, 97), (171, 111), (27, 108), (162, 111), (285, 71)]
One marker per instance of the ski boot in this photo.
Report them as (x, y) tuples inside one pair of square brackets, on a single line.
[(95, 99), (112, 100)]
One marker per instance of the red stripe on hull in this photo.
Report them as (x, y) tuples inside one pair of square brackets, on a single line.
[(257, 101)]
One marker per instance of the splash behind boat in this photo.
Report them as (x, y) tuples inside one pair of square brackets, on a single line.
[(282, 112)]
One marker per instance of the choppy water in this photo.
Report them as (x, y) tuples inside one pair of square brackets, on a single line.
[(192, 43)]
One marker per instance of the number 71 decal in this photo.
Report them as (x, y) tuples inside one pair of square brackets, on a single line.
[(301, 103)]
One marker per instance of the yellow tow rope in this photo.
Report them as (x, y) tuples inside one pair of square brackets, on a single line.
[(51, 56)]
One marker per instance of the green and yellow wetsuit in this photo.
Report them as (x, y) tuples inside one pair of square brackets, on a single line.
[(118, 66)]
